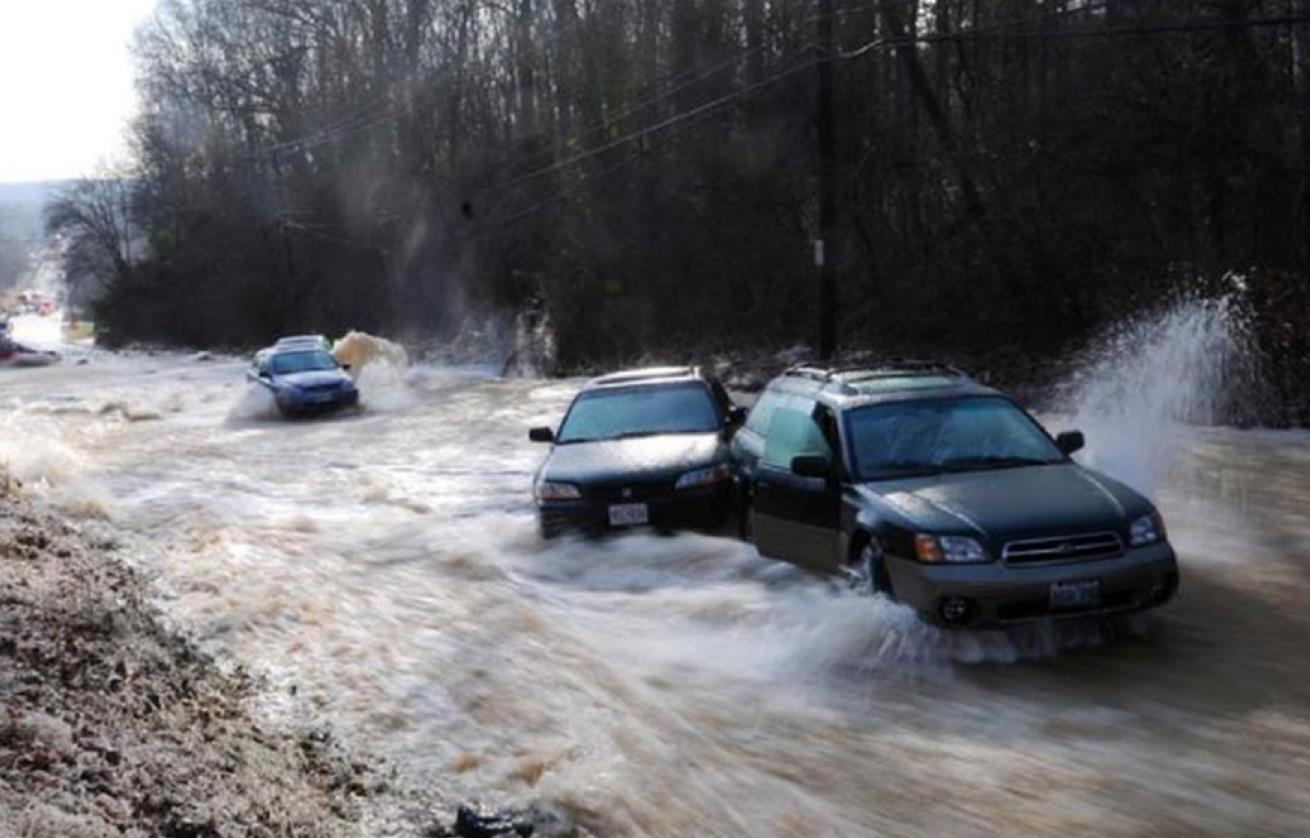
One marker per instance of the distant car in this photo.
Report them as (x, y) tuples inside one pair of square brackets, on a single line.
[(14, 354), (918, 482), (288, 343), (640, 448), (303, 381)]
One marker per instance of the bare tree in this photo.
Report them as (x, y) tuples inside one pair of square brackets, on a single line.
[(92, 219)]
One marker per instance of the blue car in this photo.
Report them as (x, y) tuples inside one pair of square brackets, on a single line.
[(303, 380)]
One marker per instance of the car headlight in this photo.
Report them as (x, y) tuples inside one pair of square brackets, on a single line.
[(704, 477), (1148, 529), (549, 490), (949, 549)]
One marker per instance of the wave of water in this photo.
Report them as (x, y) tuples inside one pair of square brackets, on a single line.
[(1139, 388)]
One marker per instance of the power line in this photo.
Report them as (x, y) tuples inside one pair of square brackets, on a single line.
[(362, 120), (374, 114), (562, 195), (861, 8), (633, 136), (1086, 32), (679, 122), (701, 73), (990, 26), (381, 111)]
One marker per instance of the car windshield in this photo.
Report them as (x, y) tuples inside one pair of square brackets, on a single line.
[(929, 437), (640, 411), (293, 362)]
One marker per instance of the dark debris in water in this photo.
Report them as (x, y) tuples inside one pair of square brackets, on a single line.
[(477, 820)]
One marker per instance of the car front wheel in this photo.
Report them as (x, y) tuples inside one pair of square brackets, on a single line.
[(867, 573)]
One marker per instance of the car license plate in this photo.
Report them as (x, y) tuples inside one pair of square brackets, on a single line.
[(629, 515), (320, 398), (1083, 593)]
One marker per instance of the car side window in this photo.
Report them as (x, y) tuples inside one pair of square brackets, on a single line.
[(793, 433), (762, 412)]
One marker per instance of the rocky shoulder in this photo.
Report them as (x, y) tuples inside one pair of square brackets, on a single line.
[(112, 723)]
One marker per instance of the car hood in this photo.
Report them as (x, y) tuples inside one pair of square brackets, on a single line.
[(643, 458), (1000, 505), (312, 378)]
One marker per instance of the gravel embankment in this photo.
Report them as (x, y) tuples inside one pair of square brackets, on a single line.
[(111, 723)]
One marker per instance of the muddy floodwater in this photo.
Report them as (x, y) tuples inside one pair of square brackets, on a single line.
[(387, 563)]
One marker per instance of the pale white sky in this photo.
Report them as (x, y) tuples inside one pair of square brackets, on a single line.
[(66, 89)]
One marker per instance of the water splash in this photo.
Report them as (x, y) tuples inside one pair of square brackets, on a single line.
[(254, 403), (1139, 388)]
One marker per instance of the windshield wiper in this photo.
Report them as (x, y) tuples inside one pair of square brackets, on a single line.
[(905, 468), (982, 463), (629, 435)]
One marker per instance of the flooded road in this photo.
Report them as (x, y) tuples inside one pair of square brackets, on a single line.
[(387, 563)]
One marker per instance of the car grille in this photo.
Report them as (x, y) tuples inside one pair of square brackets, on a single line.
[(1073, 548)]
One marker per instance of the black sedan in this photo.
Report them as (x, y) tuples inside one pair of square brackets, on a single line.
[(640, 448)]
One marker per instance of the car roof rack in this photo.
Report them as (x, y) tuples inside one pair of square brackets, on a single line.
[(886, 368), (810, 371)]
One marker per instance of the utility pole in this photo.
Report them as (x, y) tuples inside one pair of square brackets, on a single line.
[(825, 246)]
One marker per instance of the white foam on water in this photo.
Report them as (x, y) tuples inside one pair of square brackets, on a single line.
[(55, 471), (254, 403), (385, 386), (714, 604)]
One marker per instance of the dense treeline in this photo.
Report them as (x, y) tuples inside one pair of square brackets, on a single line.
[(642, 172)]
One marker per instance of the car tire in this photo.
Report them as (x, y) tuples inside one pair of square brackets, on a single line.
[(745, 531), (866, 571)]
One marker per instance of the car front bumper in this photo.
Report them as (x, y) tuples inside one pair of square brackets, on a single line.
[(999, 594), (306, 403), (706, 509)]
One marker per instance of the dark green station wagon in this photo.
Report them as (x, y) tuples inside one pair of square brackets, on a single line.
[(919, 482)]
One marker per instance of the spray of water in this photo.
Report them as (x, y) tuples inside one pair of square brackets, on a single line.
[(1138, 389)]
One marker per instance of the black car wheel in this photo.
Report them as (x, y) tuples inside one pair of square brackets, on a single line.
[(866, 572)]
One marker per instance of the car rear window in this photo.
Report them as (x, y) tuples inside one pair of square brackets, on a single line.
[(641, 411)]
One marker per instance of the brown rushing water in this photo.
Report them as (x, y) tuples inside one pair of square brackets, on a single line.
[(387, 563)]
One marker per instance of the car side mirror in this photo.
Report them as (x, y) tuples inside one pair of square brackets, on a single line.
[(1070, 441), (809, 465), (737, 415), (541, 435), (346, 367)]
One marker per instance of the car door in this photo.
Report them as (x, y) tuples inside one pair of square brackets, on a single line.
[(794, 517)]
